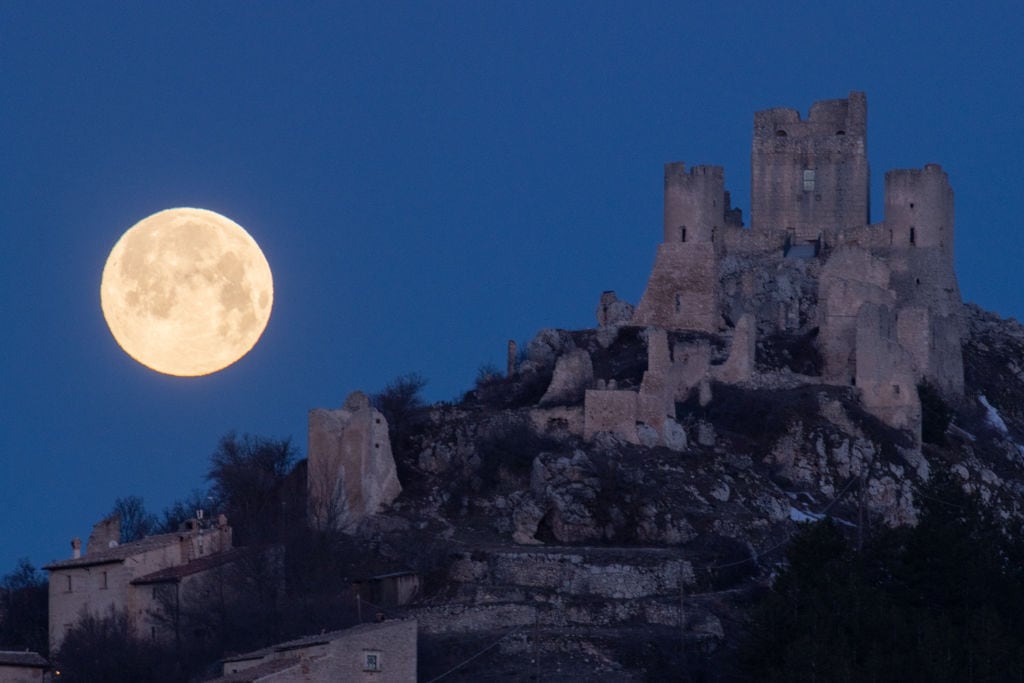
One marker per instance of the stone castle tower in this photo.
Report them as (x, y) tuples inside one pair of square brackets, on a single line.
[(881, 299)]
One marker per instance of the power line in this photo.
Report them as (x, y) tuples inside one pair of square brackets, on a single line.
[(470, 659)]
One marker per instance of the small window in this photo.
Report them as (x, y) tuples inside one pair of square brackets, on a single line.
[(840, 132), (808, 180), (679, 303), (682, 233), (895, 389), (69, 583), (913, 235), (780, 133), (103, 580), (371, 660)]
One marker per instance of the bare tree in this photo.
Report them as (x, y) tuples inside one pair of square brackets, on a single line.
[(136, 521), (23, 609), (247, 475)]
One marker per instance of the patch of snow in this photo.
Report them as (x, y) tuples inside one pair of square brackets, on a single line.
[(801, 516), (992, 415)]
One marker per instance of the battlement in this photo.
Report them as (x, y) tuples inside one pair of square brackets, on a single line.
[(696, 203), (843, 118), (811, 177)]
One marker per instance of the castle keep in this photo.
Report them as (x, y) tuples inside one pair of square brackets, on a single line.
[(879, 300)]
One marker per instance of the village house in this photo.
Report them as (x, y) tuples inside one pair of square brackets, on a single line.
[(382, 652), (134, 578), (22, 667)]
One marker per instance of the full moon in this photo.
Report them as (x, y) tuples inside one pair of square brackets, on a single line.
[(186, 292)]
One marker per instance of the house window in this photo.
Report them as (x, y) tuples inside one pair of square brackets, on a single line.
[(371, 660), (808, 180)]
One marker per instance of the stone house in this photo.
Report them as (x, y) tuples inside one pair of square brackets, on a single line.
[(23, 667), (382, 652), (131, 578)]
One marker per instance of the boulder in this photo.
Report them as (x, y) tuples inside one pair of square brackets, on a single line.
[(574, 374)]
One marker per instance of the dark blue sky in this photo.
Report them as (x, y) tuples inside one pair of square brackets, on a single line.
[(427, 181)]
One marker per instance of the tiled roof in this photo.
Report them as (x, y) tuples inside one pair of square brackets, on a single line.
[(196, 566), (119, 553), (29, 659), (309, 641), (255, 673)]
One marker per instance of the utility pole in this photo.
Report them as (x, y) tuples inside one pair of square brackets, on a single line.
[(536, 645), (682, 611)]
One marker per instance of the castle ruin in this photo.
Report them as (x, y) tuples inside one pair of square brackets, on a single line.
[(880, 300)]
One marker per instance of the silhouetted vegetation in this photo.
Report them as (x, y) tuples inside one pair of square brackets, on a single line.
[(943, 601), (796, 352), (104, 648), (247, 474), (494, 390), (180, 511), (23, 609), (136, 521), (507, 453), (401, 402)]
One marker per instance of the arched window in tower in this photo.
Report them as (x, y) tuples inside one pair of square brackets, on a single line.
[(682, 233)]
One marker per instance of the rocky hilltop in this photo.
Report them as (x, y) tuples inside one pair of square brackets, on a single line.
[(600, 556)]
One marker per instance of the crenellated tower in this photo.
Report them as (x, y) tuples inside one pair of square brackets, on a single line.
[(811, 177)]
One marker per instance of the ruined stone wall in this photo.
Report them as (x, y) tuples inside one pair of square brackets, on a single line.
[(682, 292), (811, 176), (919, 207), (885, 370), (610, 411), (351, 471), (849, 279)]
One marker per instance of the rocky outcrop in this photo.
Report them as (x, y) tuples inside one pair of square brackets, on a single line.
[(574, 374)]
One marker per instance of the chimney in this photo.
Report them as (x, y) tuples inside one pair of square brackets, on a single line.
[(76, 548)]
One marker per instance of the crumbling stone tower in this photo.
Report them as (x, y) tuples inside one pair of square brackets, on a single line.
[(682, 292), (810, 177)]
